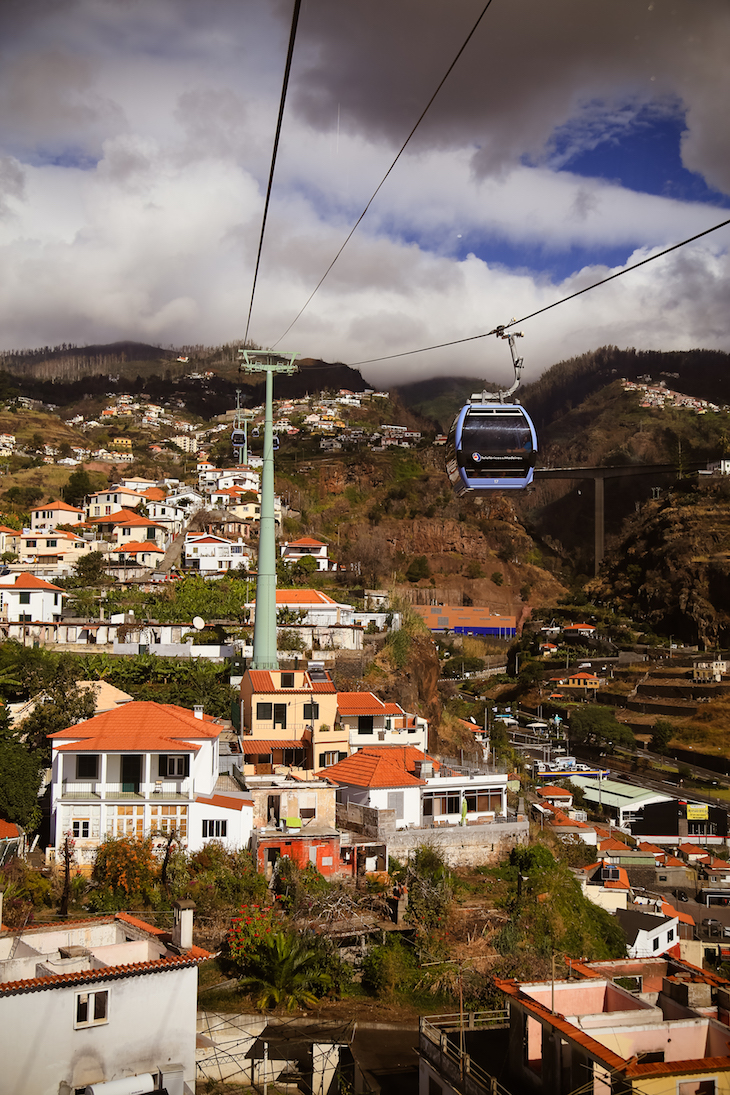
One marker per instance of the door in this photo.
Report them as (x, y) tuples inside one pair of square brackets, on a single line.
[(131, 773), (280, 716)]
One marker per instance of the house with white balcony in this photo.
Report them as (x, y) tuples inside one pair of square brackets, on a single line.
[(142, 769), (25, 598), (55, 513), (210, 554), (294, 550), (371, 721), (109, 1002), (167, 514)]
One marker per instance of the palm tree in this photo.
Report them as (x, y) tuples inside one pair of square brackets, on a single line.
[(283, 970)]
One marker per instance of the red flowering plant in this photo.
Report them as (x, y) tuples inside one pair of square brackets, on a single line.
[(253, 925)]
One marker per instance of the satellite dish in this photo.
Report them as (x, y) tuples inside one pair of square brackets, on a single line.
[(198, 623)]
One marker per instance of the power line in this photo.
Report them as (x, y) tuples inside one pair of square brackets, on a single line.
[(387, 173), (563, 300), (282, 102)]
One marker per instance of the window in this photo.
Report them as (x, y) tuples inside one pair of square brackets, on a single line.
[(287, 680), (126, 532), (174, 767), (30, 543), (81, 829), (25, 617), (265, 711), (24, 599), (395, 802), (87, 766), (330, 757), (92, 1008), (655, 944), (670, 935), (365, 724), (280, 716), (214, 829), (311, 711), (51, 543)]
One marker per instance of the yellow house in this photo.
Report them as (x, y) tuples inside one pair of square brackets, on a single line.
[(288, 718)]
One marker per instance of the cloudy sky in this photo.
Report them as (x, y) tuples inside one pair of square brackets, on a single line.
[(572, 138)]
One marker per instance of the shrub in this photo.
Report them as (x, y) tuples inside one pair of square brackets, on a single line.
[(498, 577)]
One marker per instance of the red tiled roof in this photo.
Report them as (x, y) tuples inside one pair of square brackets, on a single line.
[(109, 973), (650, 849), (405, 756), (363, 769), (8, 831), (612, 845), (305, 541), (225, 803), (139, 725), (673, 861), (29, 581), (154, 494), (550, 791)]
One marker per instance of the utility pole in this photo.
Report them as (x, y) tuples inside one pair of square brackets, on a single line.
[(264, 632)]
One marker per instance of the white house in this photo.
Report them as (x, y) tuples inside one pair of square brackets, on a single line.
[(55, 513), (424, 793), (166, 513), (212, 554), (648, 936), (319, 608), (24, 598), (143, 769), (105, 1001), (371, 721), (293, 550)]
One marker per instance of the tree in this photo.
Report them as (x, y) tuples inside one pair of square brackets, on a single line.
[(20, 779), (599, 726), (61, 704), (91, 569), (77, 488), (661, 735), (282, 970)]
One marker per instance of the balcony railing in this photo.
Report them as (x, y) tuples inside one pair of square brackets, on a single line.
[(155, 791)]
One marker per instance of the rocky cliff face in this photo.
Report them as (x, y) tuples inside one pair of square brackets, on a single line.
[(673, 565), (415, 685)]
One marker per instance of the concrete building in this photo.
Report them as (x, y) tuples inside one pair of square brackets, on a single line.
[(370, 721), (24, 598), (95, 1002), (51, 514)]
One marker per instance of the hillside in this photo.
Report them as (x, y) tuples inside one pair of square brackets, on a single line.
[(671, 566)]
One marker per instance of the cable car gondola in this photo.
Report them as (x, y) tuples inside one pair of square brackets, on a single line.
[(492, 443), (238, 438)]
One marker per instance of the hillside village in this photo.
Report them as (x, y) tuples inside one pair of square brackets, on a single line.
[(456, 771)]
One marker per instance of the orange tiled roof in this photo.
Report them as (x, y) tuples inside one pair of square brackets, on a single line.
[(57, 505), (254, 746), (225, 803), (133, 548), (154, 494), (140, 725), (303, 597), (262, 682), (8, 830), (673, 861), (29, 581), (405, 756), (363, 769), (650, 849), (359, 703), (550, 791), (127, 517), (613, 845), (305, 541)]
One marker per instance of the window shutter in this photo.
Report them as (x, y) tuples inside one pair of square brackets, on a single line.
[(341, 756), (322, 760), (186, 765), (162, 766)]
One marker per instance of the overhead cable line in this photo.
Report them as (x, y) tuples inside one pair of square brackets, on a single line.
[(563, 300), (282, 102), (387, 173)]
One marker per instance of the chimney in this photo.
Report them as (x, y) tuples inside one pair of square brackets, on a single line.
[(198, 711), (182, 929)]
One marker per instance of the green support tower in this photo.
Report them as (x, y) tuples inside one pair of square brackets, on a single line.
[(264, 631)]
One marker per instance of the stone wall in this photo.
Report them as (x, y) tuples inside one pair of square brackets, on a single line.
[(463, 846)]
